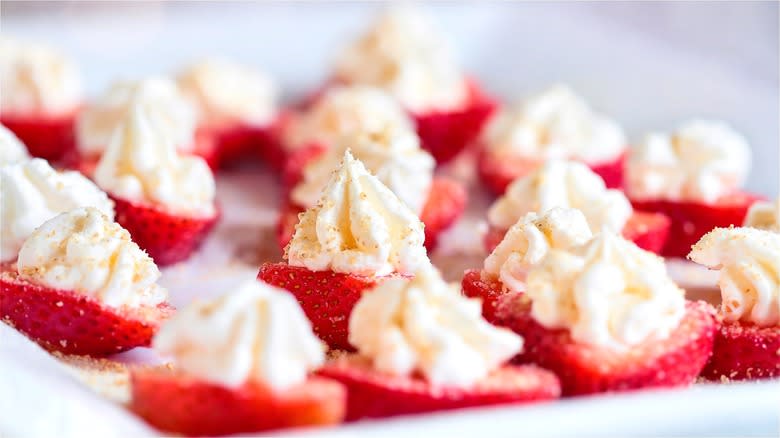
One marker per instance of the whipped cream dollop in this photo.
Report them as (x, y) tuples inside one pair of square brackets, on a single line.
[(358, 226), (85, 251), (229, 93), (255, 333), (37, 80), (607, 292), (161, 99), (346, 110), (562, 184), (530, 239), (31, 192), (12, 150), (393, 155), (403, 54), (556, 123), (142, 165), (749, 264), (425, 325), (764, 215), (701, 161)]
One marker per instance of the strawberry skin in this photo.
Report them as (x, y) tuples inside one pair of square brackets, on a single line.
[(71, 323), (234, 144), (744, 351), (50, 138), (371, 394), (166, 237), (326, 297), (585, 369), (178, 403), (477, 285), (296, 161)]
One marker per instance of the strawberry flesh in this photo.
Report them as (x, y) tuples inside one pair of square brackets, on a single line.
[(477, 284), (51, 138), (744, 351)]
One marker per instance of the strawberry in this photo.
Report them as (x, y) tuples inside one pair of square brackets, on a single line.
[(326, 297), (585, 369), (477, 285), (71, 323), (175, 402), (292, 173), (744, 351), (691, 220), (167, 237), (50, 138), (285, 226), (371, 394), (235, 144)]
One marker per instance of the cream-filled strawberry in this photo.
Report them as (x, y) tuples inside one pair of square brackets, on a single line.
[(605, 316), (693, 175), (40, 98), (357, 235), (12, 150), (555, 124), (82, 286), (422, 347), (32, 192), (747, 343), (572, 184), (241, 364), (764, 216), (165, 200)]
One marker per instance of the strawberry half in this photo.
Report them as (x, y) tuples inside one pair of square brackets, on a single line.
[(477, 285), (296, 161), (166, 237), (585, 369), (326, 297), (72, 323), (178, 403), (744, 352), (47, 137), (691, 220), (371, 394)]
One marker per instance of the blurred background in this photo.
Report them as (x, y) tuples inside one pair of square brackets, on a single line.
[(650, 65)]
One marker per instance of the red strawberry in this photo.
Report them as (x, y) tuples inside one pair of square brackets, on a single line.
[(585, 369), (476, 284), (446, 202), (285, 226), (371, 394), (50, 138), (692, 220), (744, 352), (71, 323), (271, 149), (292, 173), (326, 297), (181, 404), (168, 238)]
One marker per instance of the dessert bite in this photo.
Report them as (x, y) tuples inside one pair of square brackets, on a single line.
[(81, 286), (241, 364), (356, 236), (423, 347), (554, 124), (32, 192), (41, 97), (748, 341), (165, 200), (764, 216), (692, 175), (605, 316), (12, 150), (572, 184)]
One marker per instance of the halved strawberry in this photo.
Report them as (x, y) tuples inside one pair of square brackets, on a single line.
[(242, 142), (372, 394), (326, 297), (47, 137), (744, 351), (168, 238), (476, 284), (691, 220), (175, 402), (585, 369), (71, 323), (292, 173)]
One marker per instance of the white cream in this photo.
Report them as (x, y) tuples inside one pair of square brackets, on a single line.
[(255, 333), (227, 93), (36, 80), (701, 161), (749, 264), (764, 216), (142, 165), (31, 192), (404, 55), (607, 292), (530, 239), (359, 226), (562, 184), (424, 325), (161, 99), (555, 124), (12, 150), (85, 251)]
